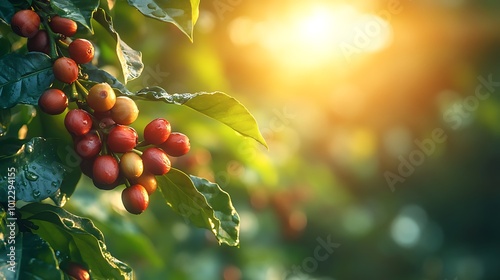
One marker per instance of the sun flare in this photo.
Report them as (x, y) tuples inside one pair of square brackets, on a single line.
[(312, 36)]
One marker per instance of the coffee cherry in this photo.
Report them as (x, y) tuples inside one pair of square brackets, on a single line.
[(176, 145), (76, 271), (155, 161), (122, 139), (106, 123), (157, 131), (102, 115), (39, 42), (53, 101), (125, 111), (131, 165), (135, 199), (105, 170), (148, 181), (108, 187), (81, 51), (104, 118), (65, 70), (86, 166), (89, 145), (64, 26), (78, 122), (25, 23), (101, 97)]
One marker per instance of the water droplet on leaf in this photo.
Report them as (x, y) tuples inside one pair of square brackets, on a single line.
[(29, 148), (69, 223), (152, 6), (31, 176), (36, 193), (159, 13)]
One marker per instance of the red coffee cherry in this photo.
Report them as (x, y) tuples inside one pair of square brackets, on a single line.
[(102, 115), (76, 271), (89, 145), (135, 199), (122, 139), (148, 181), (25, 23), (125, 111), (39, 42), (131, 165), (81, 51), (105, 170), (86, 166), (176, 145), (105, 120), (155, 161), (108, 187), (53, 101), (78, 122), (64, 26), (157, 131), (65, 70), (106, 123), (101, 98)]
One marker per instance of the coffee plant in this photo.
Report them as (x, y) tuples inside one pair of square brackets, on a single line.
[(50, 71)]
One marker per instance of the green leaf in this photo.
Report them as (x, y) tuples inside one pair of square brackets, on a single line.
[(219, 200), (37, 259), (9, 7), (5, 117), (202, 203), (78, 10), (7, 10), (181, 13), (130, 60), (97, 75), (68, 186), (183, 197), (77, 239), (216, 105), (23, 78), (20, 115), (39, 170), (9, 147)]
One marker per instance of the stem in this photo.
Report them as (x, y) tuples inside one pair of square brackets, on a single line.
[(82, 89), (137, 152), (74, 92), (142, 144), (127, 183), (42, 8), (115, 156), (104, 147), (52, 36), (62, 44)]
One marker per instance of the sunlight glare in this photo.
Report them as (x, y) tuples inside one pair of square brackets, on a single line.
[(316, 27), (315, 36)]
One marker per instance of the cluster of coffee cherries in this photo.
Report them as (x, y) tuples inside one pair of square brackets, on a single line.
[(26, 23), (107, 145), (100, 127)]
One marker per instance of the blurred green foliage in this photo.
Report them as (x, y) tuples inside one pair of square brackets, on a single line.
[(334, 129)]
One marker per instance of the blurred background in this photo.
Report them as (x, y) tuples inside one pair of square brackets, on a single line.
[(382, 124)]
